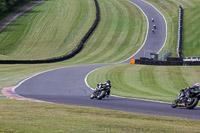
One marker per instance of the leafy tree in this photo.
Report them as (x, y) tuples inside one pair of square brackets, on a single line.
[(7, 5), (3, 6)]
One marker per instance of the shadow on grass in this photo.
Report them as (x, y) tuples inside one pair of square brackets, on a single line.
[(33, 11)]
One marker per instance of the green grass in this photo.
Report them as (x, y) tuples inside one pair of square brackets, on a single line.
[(191, 40), (131, 16), (120, 33), (124, 14), (23, 117), (170, 11), (147, 82), (50, 29), (55, 28), (19, 116)]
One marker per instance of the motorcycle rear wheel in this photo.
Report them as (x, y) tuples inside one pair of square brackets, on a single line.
[(102, 94), (192, 104)]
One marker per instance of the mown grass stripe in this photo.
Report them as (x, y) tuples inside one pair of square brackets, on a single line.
[(121, 38), (146, 82), (93, 46), (53, 29), (163, 85), (105, 43), (118, 33)]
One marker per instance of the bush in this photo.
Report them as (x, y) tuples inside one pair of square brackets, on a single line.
[(7, 5)]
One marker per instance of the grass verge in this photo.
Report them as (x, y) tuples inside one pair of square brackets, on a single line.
[(125, 15), (42, 33), (147, 82), (191, 40), (120, 33), (23, 117), (50, 29), (20, 116)]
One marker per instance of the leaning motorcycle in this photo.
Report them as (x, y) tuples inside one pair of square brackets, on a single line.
[(99, 93), (186, 99)]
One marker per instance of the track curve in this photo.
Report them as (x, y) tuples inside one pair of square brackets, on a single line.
[(67, 85)]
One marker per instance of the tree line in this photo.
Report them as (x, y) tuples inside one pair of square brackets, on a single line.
[(8, 5)]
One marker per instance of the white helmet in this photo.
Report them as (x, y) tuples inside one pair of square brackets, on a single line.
[(197, 84)]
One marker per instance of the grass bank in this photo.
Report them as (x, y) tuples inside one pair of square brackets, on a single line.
[(56, 27), (191, 40), (50, 29), (120, 33), (147, 82), (111, 47), (170, 9), (20, 116), (23, 117)]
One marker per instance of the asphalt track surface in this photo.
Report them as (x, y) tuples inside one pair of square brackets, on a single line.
[(68, 86)]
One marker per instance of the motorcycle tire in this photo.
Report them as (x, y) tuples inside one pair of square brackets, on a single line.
[(102, 94), (92, 96), (193, 104), (174, 104)]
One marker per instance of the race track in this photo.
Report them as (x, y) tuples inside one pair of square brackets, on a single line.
[(67, 85)]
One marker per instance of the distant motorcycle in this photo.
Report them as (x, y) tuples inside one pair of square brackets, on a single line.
[(99, 93), (187, 99)]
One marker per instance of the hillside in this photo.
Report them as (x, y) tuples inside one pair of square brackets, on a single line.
[(50, 29), (191, 26)]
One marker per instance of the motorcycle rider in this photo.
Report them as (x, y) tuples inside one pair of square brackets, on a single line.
[(106, 85), (193, 89)]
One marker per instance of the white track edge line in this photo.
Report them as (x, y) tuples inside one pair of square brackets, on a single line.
[(165, 24), (146, 32), (21, 82), (120, 96)]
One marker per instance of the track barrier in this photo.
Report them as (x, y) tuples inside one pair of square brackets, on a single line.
[(180, 33), (170, 61)]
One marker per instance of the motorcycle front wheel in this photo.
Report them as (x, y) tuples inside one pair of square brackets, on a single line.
[(174, 104), (92, 96)]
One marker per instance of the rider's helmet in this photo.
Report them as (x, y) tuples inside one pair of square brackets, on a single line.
[(197, 84), (108, 81)]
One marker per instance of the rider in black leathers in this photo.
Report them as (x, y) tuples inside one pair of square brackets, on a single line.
[(106, 85), (193, 89)]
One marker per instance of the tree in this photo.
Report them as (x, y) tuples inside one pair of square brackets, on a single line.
[(3, 6), (10, 3)]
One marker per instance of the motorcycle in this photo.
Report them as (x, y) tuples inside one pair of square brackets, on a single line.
[(186, 99), (99, 93)]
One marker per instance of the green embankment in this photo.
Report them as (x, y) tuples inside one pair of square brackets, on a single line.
[(25, 117), (191, 25), (56, 27), (112, 44), (146, 82), (191, 38), (21, 116), (119, 35), (50, 29)]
